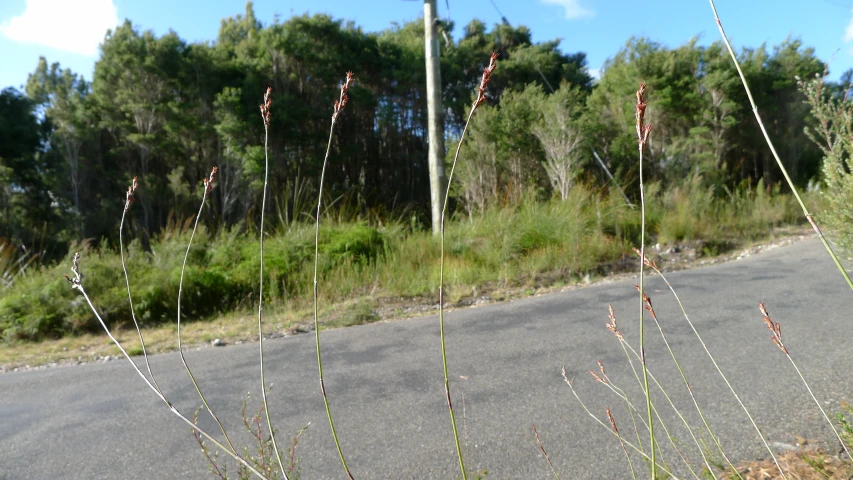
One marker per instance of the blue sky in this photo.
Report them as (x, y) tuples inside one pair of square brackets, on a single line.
[(68, 31)]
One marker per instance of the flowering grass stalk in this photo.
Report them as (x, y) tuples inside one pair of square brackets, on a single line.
[(265, 116), (625, 348), (643, 132), (547, 458), (481, 99), (654, 267), (129, 199), (339, 105), (640, 451), (621, 442), (607, 382), (208, 186), (776, 337)]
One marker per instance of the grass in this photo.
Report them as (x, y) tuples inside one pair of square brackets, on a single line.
[(370, 272), (360, 265)]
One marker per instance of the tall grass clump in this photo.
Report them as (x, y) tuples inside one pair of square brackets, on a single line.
[(528, 244)]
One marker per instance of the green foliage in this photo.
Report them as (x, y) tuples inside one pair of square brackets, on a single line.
[(523, 245), (832, 109)]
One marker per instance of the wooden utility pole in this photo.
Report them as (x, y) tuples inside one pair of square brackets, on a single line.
[(435, 122)]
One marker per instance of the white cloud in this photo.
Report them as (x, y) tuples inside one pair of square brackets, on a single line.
[(72, 26), (573, 8), (595, 73), (848, 33)]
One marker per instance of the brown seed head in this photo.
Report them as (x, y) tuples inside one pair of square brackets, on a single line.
[(612, 325), (131, 190), (341, 102), (612, 421), (775, 328), (265, 107), (597, 378), (208, 182), (643, 130), (646, 260), (487, 75)]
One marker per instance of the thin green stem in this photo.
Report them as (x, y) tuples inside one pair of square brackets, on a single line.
[(441, 296), (130, 297), (806, 213), (643, 317), (631, 409), (261, 304), (156, 391), (625, 348), (723, 376), (180, 342), (825, 416), (316, 308), (609, 429)]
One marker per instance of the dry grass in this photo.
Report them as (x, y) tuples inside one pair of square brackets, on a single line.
[(231, 328), (803, 464)]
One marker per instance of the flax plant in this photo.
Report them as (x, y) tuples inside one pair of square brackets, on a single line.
[(481, 99), (339, 105), (776, 337), (806, 212), (265, 116)]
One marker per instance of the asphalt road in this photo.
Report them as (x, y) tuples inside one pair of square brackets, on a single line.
[(385, 384)]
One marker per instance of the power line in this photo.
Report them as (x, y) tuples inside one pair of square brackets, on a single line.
[(503, 18)]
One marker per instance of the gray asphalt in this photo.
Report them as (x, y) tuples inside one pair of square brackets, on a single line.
[(385, 384)]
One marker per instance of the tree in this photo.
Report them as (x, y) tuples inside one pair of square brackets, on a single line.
[(561, 137)]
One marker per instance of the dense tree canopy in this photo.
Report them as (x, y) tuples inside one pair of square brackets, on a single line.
[(167, 111)]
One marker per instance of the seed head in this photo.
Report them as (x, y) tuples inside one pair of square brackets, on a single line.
[(131, 190), (775, 329), (265, 107), (75, 269), (643, 130), (208, 182), (487, 75), (341, 102)]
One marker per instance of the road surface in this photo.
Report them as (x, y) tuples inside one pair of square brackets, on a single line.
[(385, 384)]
